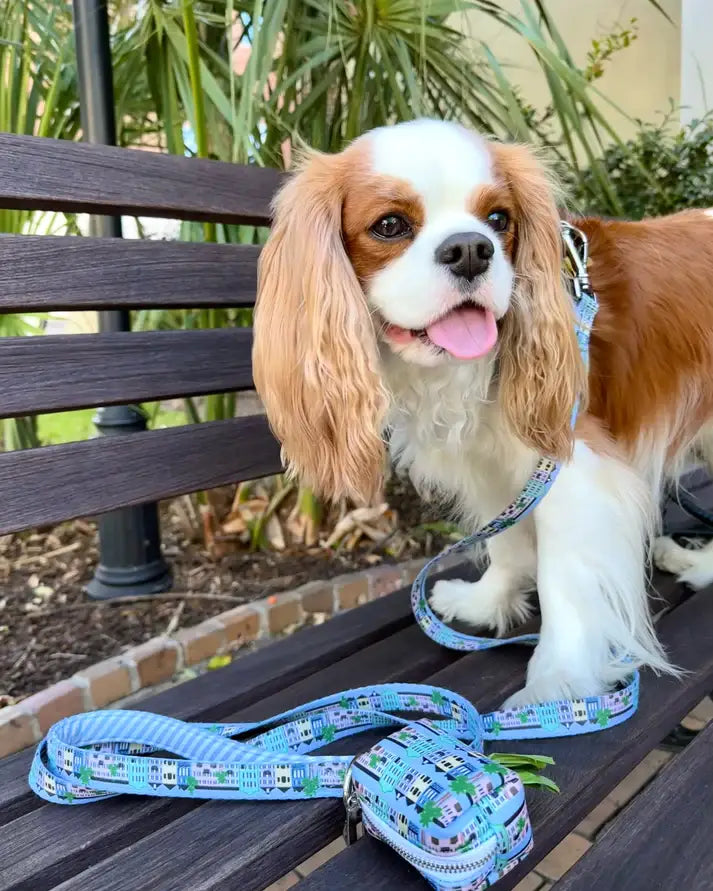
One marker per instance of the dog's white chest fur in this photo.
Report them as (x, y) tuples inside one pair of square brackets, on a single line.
[(449, 436)]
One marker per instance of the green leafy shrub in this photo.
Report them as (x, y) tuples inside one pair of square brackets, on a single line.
[(660, 170)]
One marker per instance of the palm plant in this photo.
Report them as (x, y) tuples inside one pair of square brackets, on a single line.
[(247, 80), (254, 79)]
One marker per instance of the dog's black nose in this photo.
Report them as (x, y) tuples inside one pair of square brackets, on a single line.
[(466, 254)]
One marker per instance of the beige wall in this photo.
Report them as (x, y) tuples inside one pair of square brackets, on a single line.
[(696, 58), (640, 79)]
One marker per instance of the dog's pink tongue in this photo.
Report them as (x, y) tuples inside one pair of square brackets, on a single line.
[(467, 332)]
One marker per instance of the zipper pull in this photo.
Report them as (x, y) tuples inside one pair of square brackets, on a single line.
[(352, 808)]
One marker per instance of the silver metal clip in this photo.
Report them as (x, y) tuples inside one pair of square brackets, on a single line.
[(352, 808), (577, 253)]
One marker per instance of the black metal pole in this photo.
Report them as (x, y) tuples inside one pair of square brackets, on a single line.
[(130, 559)]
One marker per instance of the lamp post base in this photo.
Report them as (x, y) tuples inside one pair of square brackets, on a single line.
[(112, 582)]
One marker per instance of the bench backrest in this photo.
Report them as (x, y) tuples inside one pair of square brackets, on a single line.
[(59, 372)]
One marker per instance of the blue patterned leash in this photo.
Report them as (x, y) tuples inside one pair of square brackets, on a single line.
[(101, 754), (540, 482)]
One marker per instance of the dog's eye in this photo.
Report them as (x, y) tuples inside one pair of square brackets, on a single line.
[(390, 227), (499, 220)]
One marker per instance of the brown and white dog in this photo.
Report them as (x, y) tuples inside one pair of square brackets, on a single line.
[(412, 284)]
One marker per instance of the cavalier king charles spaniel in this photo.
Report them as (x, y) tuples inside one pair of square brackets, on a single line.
[(411, 291)]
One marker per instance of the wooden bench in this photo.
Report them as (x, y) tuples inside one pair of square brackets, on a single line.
[(134, 844)]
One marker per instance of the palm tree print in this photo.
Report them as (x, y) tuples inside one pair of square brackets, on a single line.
[(520, 825), (374, 761), (437, 698), (191, 784), (113, 769), (497, 727), (404, 736), (85, 774), (329, 733), (221, 776), (429, 813), (70, 797), (411, 702), (491, 767), (462, 786), (344, 702), (522, 717), (311, 786), (602, 717)]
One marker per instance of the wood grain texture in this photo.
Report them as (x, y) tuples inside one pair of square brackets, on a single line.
[(86, 478), (84, 178), (676, 520), (221, 845), (275, 838), (587, 767), (40, 273), (247, 845), (663, 838), (250, 679), (65, 371), (226, 844)]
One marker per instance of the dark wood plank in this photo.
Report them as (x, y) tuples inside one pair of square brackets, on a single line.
[(212, 858), (64, 371), (222, 829), (248, 846), (87, 478), (250, 679), (663, 838), (587, 768), (40, 273), (83, 178), (676, 520)]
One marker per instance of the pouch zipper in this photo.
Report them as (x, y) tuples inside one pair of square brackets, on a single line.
[(464, 863)]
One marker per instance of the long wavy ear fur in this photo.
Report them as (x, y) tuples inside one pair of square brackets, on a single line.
[(541, 371), (315, 356)]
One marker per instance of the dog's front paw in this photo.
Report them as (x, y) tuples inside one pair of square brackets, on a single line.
[(552, 688), (480, 603), (694, 567), (450, 598), (671, 557)]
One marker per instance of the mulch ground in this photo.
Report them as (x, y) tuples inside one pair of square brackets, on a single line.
[(49, 629)]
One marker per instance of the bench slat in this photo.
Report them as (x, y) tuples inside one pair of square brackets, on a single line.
[(224, 833), (587, 769), (56, 483), (249, 679), (662, 840), (83, 178), (253, 862), (39, 273), (65, 371)]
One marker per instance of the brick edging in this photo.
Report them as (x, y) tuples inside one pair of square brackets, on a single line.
[(160, 658)]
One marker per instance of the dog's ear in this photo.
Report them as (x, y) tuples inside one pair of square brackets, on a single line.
[(541, 370), (315, 354)]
